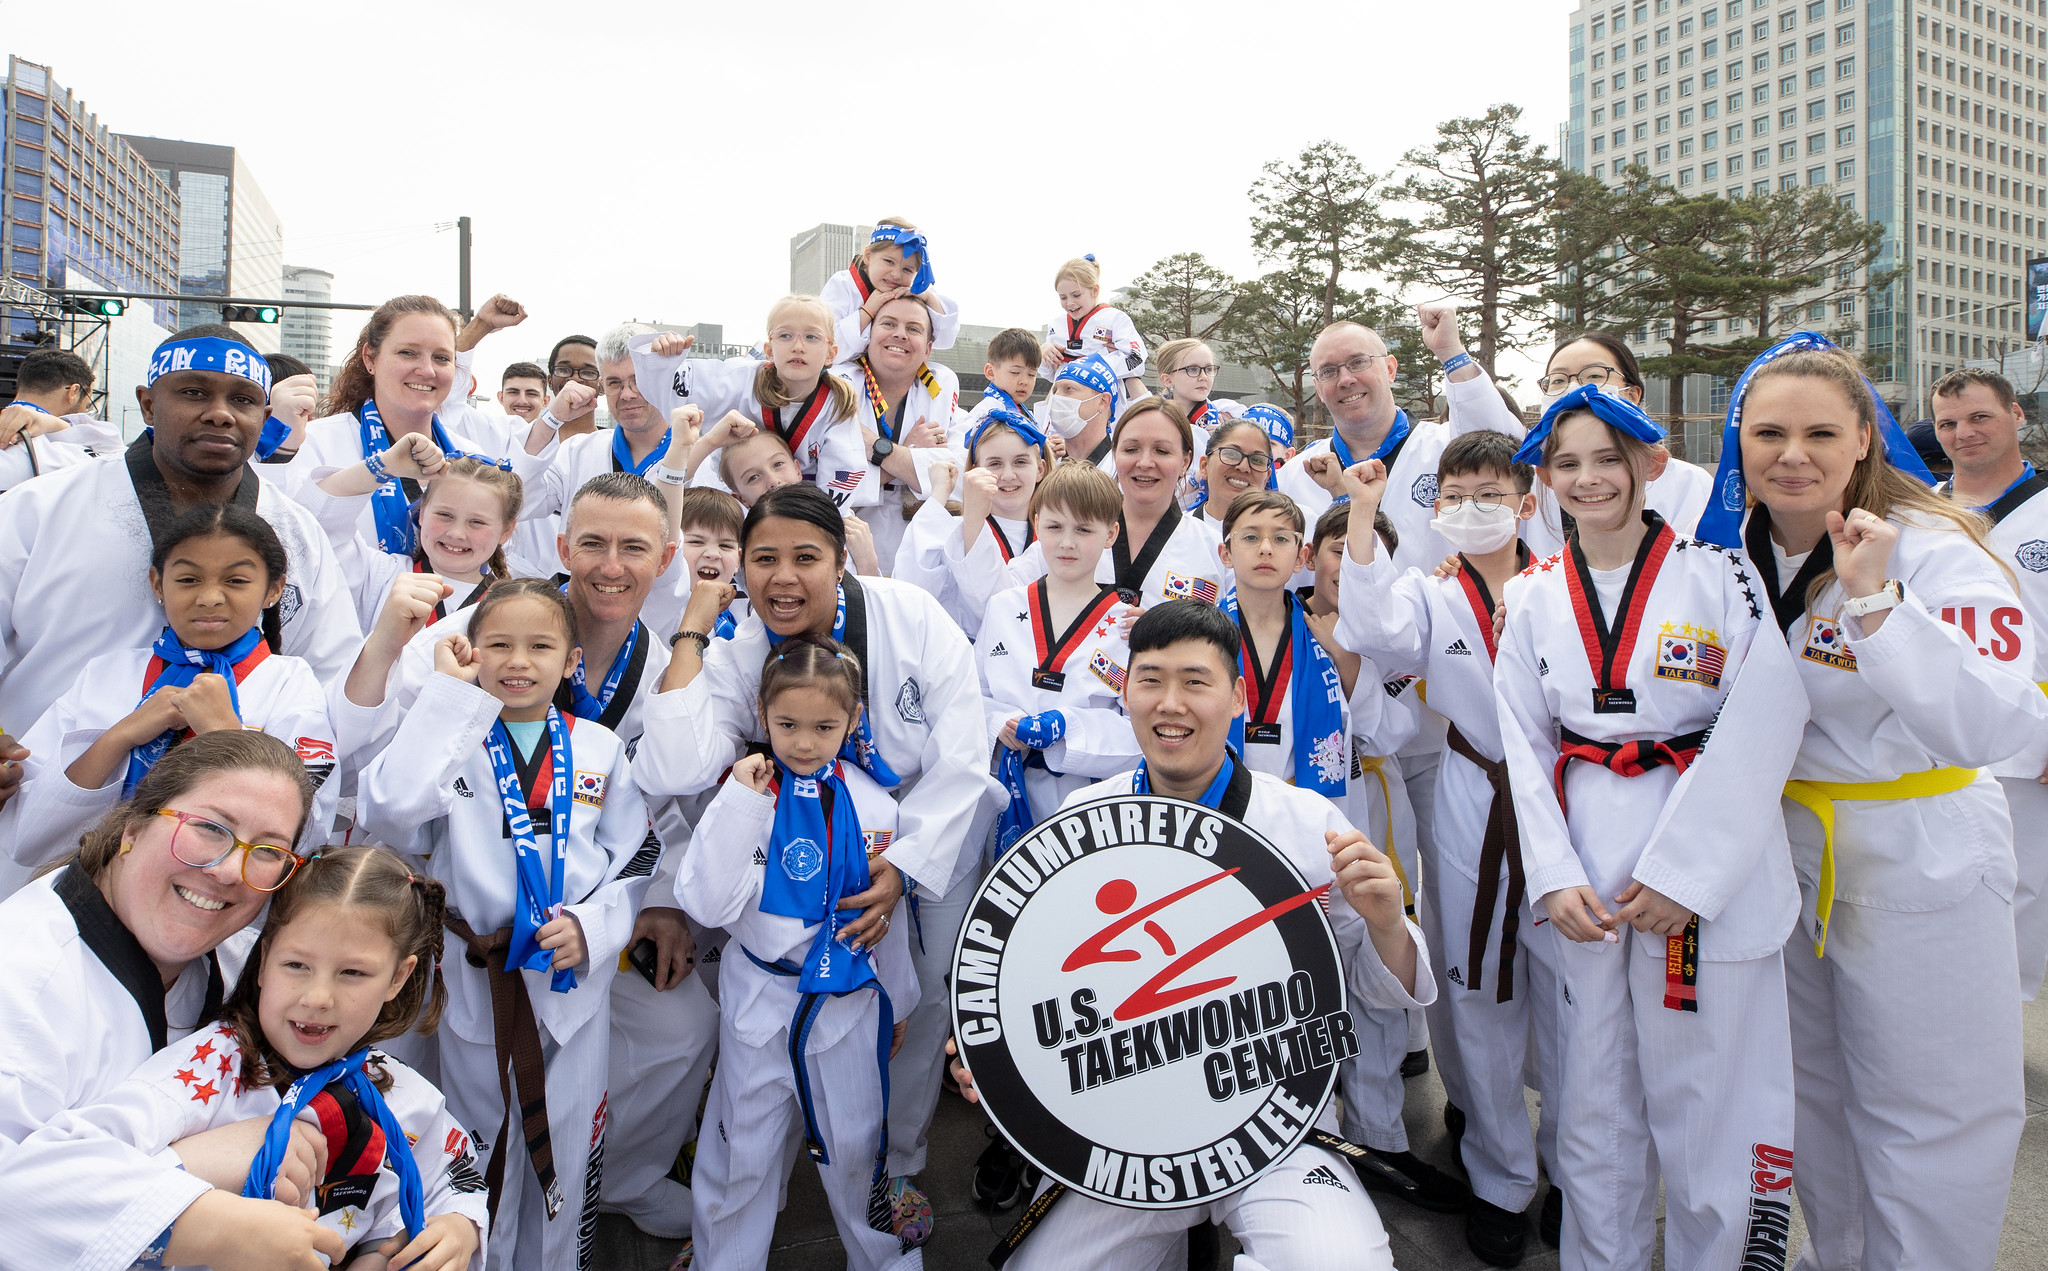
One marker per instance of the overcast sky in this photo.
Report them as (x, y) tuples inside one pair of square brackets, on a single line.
[(652, 161)]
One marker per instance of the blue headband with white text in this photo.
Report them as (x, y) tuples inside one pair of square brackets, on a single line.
[(1274, 420), (1018, 424), (1096, 374), (909, 240), (210, 353), (1610, 409), (1722, 521)]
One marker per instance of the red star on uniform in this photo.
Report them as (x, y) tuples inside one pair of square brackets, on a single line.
[(227, 1063), (186, 1075), (205, 1093), (202, 1051)]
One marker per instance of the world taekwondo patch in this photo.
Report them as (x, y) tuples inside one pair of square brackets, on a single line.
[(1151, 1001), (2033, 556), (1424, 490)]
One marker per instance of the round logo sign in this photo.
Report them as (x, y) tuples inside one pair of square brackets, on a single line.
[(1151, 1000)]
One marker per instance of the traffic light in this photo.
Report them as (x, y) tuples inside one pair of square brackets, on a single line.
[(98, 306), (248, 313)]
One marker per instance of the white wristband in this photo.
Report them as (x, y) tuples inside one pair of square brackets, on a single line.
[(548, 420), (667, 475)]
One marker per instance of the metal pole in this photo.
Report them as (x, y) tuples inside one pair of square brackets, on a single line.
[(462, 253)]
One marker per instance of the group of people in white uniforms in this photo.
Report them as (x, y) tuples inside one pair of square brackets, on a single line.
[(1521, 678)]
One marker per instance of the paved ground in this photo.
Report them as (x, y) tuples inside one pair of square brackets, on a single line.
[(804, 1240)]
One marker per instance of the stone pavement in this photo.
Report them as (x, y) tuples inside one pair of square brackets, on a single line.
[(804, 1240)]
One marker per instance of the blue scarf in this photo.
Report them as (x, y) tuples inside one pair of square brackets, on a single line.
[(182, 665), (1721, 523), (274, 433), (540, 880), (1320, 757), (1612, 409), (1038, 731), (859, 745), (582, 703), (909, 241), (347, 1072), (1005, 412), (1395, 436), (1212, 798), (622, 454), (396, 532)]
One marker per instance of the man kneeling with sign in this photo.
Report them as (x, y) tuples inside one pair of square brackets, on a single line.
[(1154, 994)]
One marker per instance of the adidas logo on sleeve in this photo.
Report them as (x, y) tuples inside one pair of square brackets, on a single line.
[(1000, 651), (1323, 1176), (1458, 649)]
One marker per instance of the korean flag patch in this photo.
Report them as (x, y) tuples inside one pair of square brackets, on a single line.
[(1182, 587), (589, 788), (1106, 670), (1690, 654), (1828, 645)]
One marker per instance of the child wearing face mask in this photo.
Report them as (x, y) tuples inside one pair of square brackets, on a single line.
[(1496, 978), (896, 259), (1087, 327)]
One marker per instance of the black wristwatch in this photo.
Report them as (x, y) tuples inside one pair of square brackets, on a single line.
[(881, 450)]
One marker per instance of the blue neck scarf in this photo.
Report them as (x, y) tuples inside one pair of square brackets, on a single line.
[(1212, 798), (1009, 415), (622, 454), (909, 240), (1612, 409), (585, 705), (1320, 758), (859, 745), (540, 879), (814, 862), (1397, 434), (1721, 523), (347, 1072), (1046, 728), (396, 532), (182, 665)]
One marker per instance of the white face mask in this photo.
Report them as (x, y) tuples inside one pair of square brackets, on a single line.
[(1475, 529), (1061, 415)]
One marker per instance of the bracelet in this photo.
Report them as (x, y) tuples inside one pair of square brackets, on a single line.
[(703, 641), (547, 418), (1457, 362), (374, 461), (663, 473)]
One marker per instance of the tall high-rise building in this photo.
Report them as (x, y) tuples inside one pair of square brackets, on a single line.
[(1929, 117), (82, 211), (306, 333), (820, 252), (230, 242)]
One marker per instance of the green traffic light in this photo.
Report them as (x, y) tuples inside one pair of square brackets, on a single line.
[(266, 313), (110, 308)]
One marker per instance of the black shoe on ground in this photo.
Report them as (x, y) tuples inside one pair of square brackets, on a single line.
[(1415, 1064), (1454, 1121), (1495, 1236), (1413, 1179), (1205, 1247), (1550, 1224), (1002, 1177)]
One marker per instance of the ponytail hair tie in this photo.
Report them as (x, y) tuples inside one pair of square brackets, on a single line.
[(1090, 258)]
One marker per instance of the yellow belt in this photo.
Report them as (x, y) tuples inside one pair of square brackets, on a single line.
[(1376, 765), (1820, 797)]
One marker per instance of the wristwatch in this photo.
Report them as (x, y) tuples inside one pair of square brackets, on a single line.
[(703, 641), (881, 450), (1884, 597)]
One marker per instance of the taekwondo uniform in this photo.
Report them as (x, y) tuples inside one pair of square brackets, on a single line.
[(1177, 561), (846, 291), (1104, 330), (1676, 1051), (935, 396), (34, 456), (931, 555), (433, 793), (925, 710)]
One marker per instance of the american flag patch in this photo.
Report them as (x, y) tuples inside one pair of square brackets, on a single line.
[(846, 480), (1181, 587), (589, 788), (1690, 654), (878, 840), (1106, 670)]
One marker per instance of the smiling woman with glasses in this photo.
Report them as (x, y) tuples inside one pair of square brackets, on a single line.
[(1239, 460), (113, 962)]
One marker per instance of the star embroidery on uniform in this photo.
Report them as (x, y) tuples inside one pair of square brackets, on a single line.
[(1023, 617), (227, 1063), (186, 1075), (346, 1220), (205, 1093), (202, 1051)]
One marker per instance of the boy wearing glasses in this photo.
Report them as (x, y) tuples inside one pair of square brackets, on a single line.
[(1489, 1000)]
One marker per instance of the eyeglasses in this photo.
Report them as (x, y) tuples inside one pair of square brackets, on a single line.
[(1553, 385), (784, 339), (564, 371), (1252, 540), (264, 868), (1452, 502), (1357, 366), (1194, 372), (1257, 461)]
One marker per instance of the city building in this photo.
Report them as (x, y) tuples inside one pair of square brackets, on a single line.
[(307, 334), (822, 251), (230, 242), (82, 212), (1927, 116)]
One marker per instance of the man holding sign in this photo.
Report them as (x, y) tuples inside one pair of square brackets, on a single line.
[(1184, 1002)]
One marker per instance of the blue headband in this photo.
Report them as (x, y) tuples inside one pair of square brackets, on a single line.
[(1274, 420), (910, 241), (1615, 412), (1004, 415), (1722, 521), (208, 353), (1095, 373)]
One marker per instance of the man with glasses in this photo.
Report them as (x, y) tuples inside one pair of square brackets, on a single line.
[(574, 358)]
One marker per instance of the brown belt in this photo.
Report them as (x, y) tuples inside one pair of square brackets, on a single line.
[(516, 1034), (1503, 843)]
